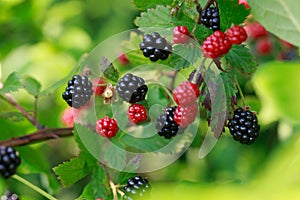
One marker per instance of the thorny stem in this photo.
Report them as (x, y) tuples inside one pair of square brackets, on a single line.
[(240, 91), (10, 99), (34, 187), (40, 135)]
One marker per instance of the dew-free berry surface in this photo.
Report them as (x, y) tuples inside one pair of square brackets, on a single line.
[(78, 91), (137, 188), (107, 127), (9, 161), (236, 34), (8, 195), (244, 126), (185, 115), (186, 93), (166, 126), (216, 45), (180, 35), (155, 47), (131, 88), (137, 113), (210, 18)]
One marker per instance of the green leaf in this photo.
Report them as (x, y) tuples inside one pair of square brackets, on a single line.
[(32, 85), (73, 170), (240, 58), (131, 166), (157, 96), (277, 85), (12, 83), (184, 55), (231, 12), (100, 184), (12, 116), (145, 4), (230, 87), (87, 193), (109, 71), (280, 17)]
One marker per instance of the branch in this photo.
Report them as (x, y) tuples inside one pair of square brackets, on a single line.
[(40, 135)]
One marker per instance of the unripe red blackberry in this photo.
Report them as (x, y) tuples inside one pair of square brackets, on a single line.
[(236, 34), (186, 93), (137, 113), (155, 47), (9, 161), (131, 88), (244, 126), (180, 35), (216, 45), (255, 30), (78, 92), (137, 188), (210, 18), (185, 115), (107, 127)]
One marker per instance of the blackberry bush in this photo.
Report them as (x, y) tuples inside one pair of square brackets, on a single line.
[(155, 47), (137, 188), (131, 88), (78, 92), (166, 126), (244, 126), (210, 18), (9, 161)]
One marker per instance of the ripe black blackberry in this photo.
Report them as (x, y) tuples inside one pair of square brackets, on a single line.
[(78, 91), (210, 18), (9, 161), (155, 47), (137, 188), (244, 126), (132, 88), (166, 126), (8, 195)]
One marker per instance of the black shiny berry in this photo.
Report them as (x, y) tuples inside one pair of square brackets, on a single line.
[(166, 126), (8, 195), (211, 18), (9, 161), (155, 47), (78, 91), (137, 188), (244, 126), (131, 88)]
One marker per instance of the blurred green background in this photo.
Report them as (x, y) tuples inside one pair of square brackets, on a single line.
[(45, 39)]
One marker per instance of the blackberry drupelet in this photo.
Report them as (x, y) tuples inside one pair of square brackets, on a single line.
[(155, 47), (8, 195), (131, 88), (78, 91), (244, 126), (211, 18), (137, 113), (137, 188), (9, 161), (166, 126)]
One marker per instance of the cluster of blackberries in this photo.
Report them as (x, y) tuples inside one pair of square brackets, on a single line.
[(155, 47), (8, 195), (78, 92), (131, 88), (9, 161), (210, 18), (137, 188), (244, 126)]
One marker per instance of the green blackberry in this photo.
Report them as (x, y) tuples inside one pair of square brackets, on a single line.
[(155, 47), (244, 126), (78, 91), (9, 161), (166, 126), (210, 18), (8, 195), (137, 188), (131, 88)]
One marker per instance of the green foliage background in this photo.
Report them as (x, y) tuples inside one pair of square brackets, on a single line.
[(46, 39)]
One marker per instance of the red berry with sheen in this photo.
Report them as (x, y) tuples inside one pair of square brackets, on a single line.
[(137, 113), (216, 45), (107, 127), (180, 35), (101, 85), (186, 93), (236, 34), (255, 30), (123, 59), (264, 46), (185, 115)]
